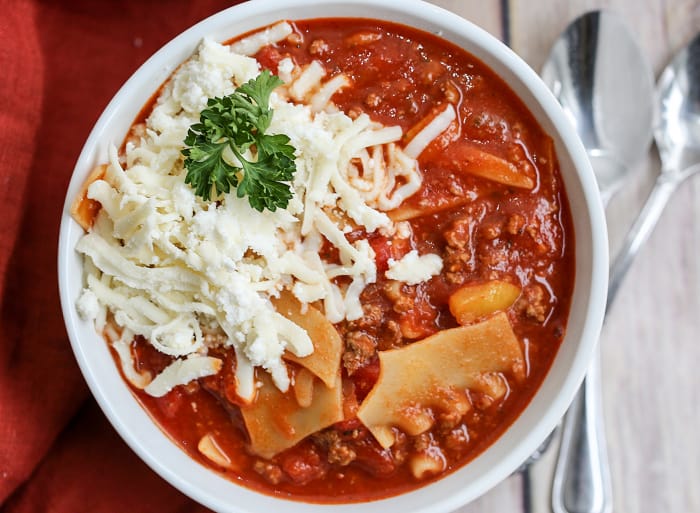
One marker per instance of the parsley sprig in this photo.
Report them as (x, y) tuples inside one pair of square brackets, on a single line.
[(239, 121)]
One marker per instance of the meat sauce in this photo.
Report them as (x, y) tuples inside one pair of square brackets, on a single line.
[(490, 231)]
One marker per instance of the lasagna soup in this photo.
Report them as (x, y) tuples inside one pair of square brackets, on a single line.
[(358, 327)]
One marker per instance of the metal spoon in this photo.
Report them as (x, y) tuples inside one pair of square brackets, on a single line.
[(605, 85), (677, 136)]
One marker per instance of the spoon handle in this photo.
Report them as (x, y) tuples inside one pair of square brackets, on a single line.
[(663, 188), (582, 476)]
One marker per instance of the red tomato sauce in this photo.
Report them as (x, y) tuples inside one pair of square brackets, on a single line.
[(491, 231)]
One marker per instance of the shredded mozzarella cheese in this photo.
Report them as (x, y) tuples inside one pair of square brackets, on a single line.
[(252, 44), (165, 263), (436, 126), (181, 372), (413, 269)]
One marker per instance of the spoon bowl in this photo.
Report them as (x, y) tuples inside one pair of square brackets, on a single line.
[(605, 85), (677, 124), (677, 137)]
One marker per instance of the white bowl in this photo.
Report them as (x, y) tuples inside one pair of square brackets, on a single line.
[(587, 308)]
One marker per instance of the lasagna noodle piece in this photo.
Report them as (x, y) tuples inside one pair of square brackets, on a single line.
[(406, 212), (304, 387), (324, 361), (467, 158), (411, 378), (275, 421)]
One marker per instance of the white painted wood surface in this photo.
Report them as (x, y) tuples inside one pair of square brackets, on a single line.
[(651, 340)]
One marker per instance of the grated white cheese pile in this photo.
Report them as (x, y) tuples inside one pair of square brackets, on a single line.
[(188, 274), (414, 268)]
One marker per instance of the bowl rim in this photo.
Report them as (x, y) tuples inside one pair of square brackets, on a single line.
[(150, 443)]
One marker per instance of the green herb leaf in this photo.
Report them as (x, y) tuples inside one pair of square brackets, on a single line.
[(238, 122)]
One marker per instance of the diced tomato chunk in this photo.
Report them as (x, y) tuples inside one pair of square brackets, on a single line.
[(269, 58), (385, 249), (365, 378), (348, 425), (303, 463), (373, 457)]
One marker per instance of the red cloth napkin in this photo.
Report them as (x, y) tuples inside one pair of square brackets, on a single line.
[(61, 62)]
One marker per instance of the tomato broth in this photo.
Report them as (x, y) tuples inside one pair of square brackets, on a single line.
[(483, 230)]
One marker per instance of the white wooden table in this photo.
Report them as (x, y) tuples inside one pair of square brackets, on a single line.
[(651, 340)]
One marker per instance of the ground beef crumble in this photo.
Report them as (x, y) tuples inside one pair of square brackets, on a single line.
[(360, 349)]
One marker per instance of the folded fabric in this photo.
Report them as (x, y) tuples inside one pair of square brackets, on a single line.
[(62, 61)]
